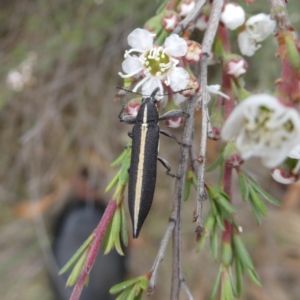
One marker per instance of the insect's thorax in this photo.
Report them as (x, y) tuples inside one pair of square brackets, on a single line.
[(147, 113)]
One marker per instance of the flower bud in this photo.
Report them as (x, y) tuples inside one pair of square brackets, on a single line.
[(193, 87), (185, 7), (236, 67), (283, 176), (170, 20), (194, 52), (154, 24), (233, 16), (133, 107), (174, 123), (202, 22), (217, 121), (232, 156)]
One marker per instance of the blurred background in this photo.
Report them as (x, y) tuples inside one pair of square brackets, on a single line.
[(59, 132)]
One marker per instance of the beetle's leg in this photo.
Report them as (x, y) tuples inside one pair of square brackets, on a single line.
[(172, 114), (126, 119), (167, 166), (170, 135)]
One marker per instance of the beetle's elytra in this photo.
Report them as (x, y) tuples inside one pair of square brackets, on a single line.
[(142, 171)]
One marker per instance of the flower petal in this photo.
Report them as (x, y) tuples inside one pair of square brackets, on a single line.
[(260, 26), (215, 89), (140, 39), (295, 152), (175, 45), (278, 175), (178, 99), (179, 78), (150, 85), (233, 16), (131, 64), (247, 45)]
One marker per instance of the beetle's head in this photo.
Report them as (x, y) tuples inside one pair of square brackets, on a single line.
[(153, 94)]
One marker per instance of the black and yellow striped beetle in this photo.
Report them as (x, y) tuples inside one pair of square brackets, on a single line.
[(145, 143)]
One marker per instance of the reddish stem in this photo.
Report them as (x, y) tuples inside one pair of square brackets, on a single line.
[(224, 37), (99, 234)]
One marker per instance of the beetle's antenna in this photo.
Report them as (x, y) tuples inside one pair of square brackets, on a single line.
[(175, 92), (129, 91), (153, 93)]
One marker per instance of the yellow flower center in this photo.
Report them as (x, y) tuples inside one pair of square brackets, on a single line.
[(157, 62)]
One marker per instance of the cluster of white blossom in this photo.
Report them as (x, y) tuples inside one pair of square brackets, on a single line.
[(21, 76)]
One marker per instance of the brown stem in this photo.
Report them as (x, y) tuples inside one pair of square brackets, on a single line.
[(191, 17), (94, 248), (280, 15), (206, 48)]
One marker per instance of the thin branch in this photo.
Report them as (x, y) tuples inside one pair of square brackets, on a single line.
[(191, 17), (186, 290), (160, 257), (206, 47), (179, 195), (99, 234), (280, 15)]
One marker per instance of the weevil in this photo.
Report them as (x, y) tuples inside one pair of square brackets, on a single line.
[(142, 170)]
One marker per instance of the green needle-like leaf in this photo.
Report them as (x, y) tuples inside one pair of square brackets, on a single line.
[(258, 203), (254, 277), (113, 182), (187, 189), (242, 252), (123, 295), (222, 201), (268, 197), (76, 270), (139, 296), (233, 286), (216, 285), (244, 186), (219, 161), (214, 243), (226, 290), (123, 285), (77, 255), (256, 212), (144, 283), (123, 178), (120, 159), (239, 277), (124, 233), (131, 295), (106, 237)]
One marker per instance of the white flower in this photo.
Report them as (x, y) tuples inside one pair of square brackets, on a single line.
[(211, 89), (258, 28), (158, 65), (246, 44), (236, 68), (170, 22), (233, 16), (263, 127), (15, 80), (202, 22), (295, 152), (281, 177), (186, 7), (194, 52), (215, 90)]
